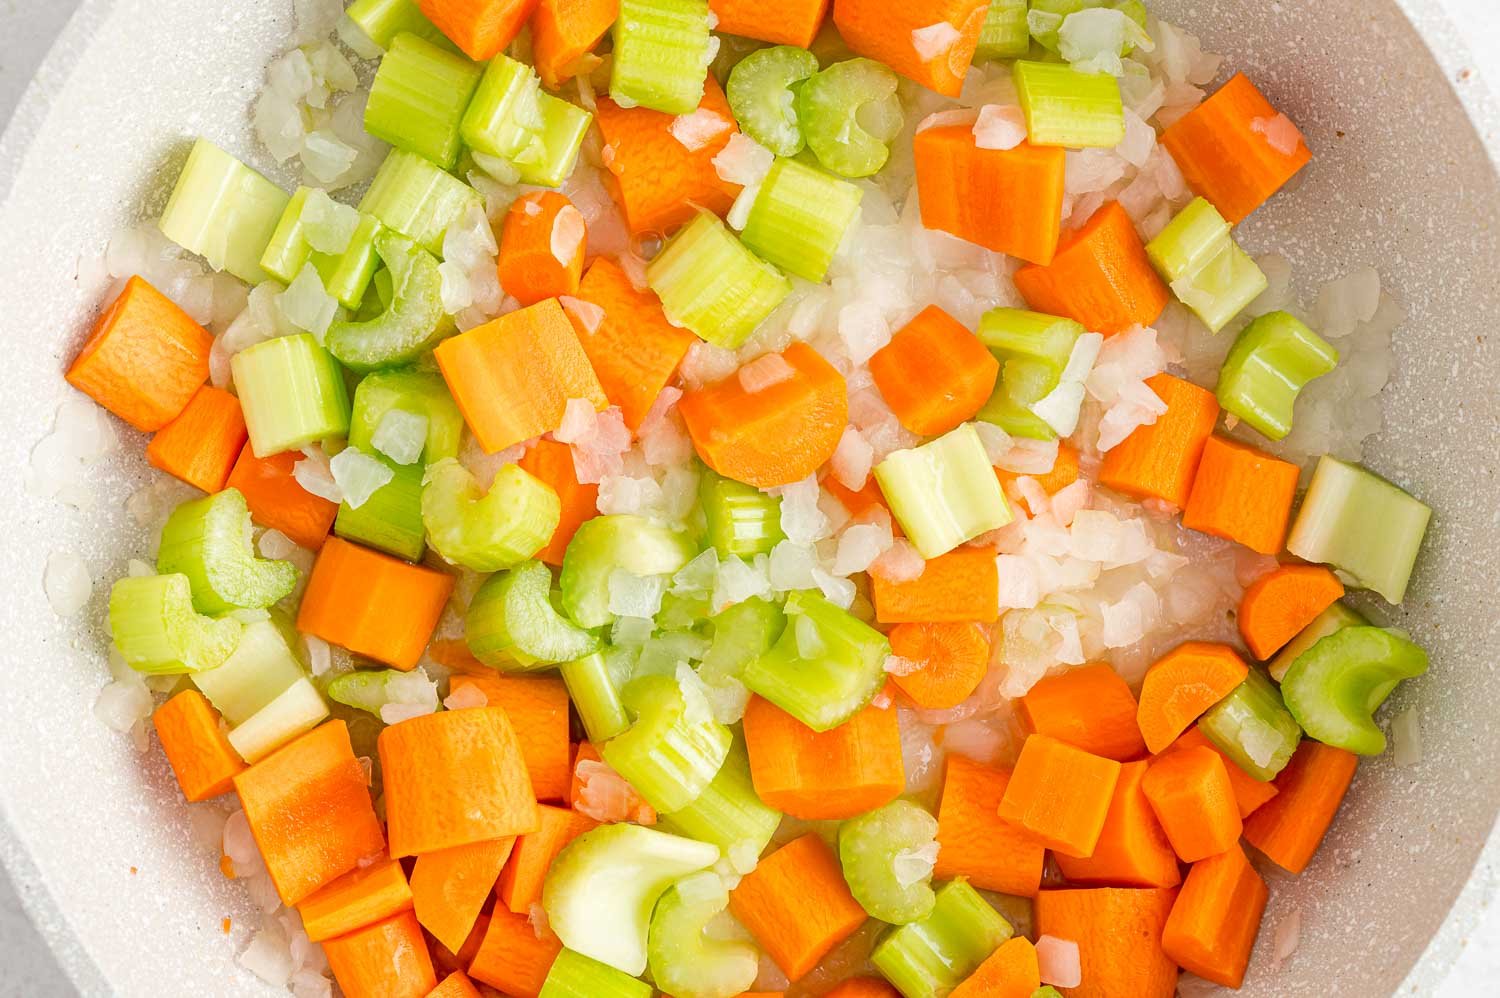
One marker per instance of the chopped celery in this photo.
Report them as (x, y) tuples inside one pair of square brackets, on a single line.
[(673, 749), (710, 283), (488, 531), (409, 390), (208, 540), (944, 492), (661, 54), (799, 218), (1005, 34), (826, 690), (728, 813), (157, 631), (600, 890), (292, 393), (419, 96), (1253, 727), (574, 975), (1335, 618), (742, 520), (505, 117), (417, 199), (930, 957), (606, 543), (410, 326), (561, 137), (686, 959), (1046, 991), (1208, 271), (1334, 687), (741, 634), (1064, 107), (887, 855), (683, 612), (346, 275), (1034, 349), (513, 626), (849, 114), (391, 519), (223, 211), (1366, 528), (363, 689), (382, 20), (261, 668), (1271, 361), (591, 687), (298, 710), (762, 94)]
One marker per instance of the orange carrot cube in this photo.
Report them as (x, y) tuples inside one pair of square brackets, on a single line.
[(1160, 460), (1213, 923), (201, 445), (1012, 971), (542, 247), (1279, 605), (931, 43), (1184, 683), (1249, 793), (1060, 794), (537, 707), (278, 502), (552, 462), (482, 28), (781, 22), (1242, 494), (513, 957), (1089, 708), (1006, 200), (1289, 828), (951, 661), (973, 842), (839, 773), (389, 958), (202, 758), (962, 585), (1132, 850), (1190, 793), (934, 373), (796, 905), (1118, 932), (450, 886), (361, 897), (565, 32), (520, 884)]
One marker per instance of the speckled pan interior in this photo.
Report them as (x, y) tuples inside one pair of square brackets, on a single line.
[(1402, 180)]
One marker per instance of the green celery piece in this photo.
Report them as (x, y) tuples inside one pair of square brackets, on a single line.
[(555, 154), (1064, 107), (298, 710), (871, 849), (931, 956), (741, 634), (513, 626), (1368, 529), (261, 668), (574, 975), (363, 689), (850, 114), (1022, 384), (591, 687), (505, 117), (382, 20), (728, 813), (799, 218), (1033, 349), (488, 531), (683, 612), (420, 392), (1005, 34), (1253, 727), (944, 492), (1334, 687), (158, 632), (685, 960), (742, 520), (825, 691), (412, 324), (223, 211), (419, 97), (208, 540), (661, 55), (1206, 268), (601, 889), (1046, 991), (606, 543), (391, 519), (673, 749), (1271, 361), (710, 283), (292, 393), (1337, 617), (762, 95), (417, 199), (346, 276)]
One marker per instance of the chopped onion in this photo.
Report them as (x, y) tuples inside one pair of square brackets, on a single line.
[(1058, 961), (743, 161), (934, 41), (466, 696), (67, 583), (695, 131), (585, 313), (307, 305), (1000, 127), (568, 233), (912, 866), (358, 476), (1406, 737), (764, 372), (401, 435), (1280, 133)]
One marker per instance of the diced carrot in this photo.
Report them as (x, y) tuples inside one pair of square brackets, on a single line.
[(453, 654), (278, 502), (482, 28), (450, 886), (1279, 605), (453, 778), (537, 707), (1100, 276), (1290, 827), (1242, 494), (202, 759), (552, 462), (201, 445), (1089, 708), (931, 43), (1183, 684), (1118, 932), (1132, 850), (861, 502), (1006, 200), (145, 358), (974, 843), (1064, 473), (520, 883), (388, 959), (961, 585), (781, 22), (1213, 924), (814, 775), (1011, 971), (373, 604), (310, 811), (778, 435), (1249, 793), (863, 987), (564, 33), (934, 373), (542, 247), (455, 985), (952, 659), (796, 905), (634, 349), (1190, 794), (513, 957), (658, 182), (1060, 794), (1160, 460), (1233, 149), (361, 897)]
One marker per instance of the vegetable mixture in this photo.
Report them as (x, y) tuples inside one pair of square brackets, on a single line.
[(760, 515)]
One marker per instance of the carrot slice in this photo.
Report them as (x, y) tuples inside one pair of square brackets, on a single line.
[(1160, 460), (1183, 684), (482, 28), (1064, 473), (1089, 708), (973, 842), (1278, 606), (201, 445), (1242, 494), (1060, 794), (962, 585), (450, 886), (1214, 921), (861, 987), (781, 22), (934, 373), (1249, 793), (360, 897), (537, 707), (520, 884), (931, 43), (201, 757), (1132, 851), (1290, 827), (814, 775), (796, 905), (564, 33), (1118, 932), (278, 502), (1011, 971), (388, 958), (513, 957), (952, 659), (542, 247), (1191, 796), (455, 985), (552, 462)]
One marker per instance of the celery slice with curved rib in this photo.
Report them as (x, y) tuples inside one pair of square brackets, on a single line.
[(686, 961), (412, 323), (488, 531), (849, 114), (606, 543), (673, 749), (728, 813), (409, 390), (157, 631), (887, 856), (1271, 361), (208, 540), (929, 957), (513, 626), (762, 94), (1334, 688)]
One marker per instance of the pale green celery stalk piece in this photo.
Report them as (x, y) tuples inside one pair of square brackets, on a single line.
[(799, 218), (685, 960), (1366, 528), (505, 117), (710, 283), (555, 153), (1206, 268), (762, 95), (363, 689), (673, 749), (883, 847), (412, 324), (728, 813), (1005, 34), (1253, 727), (158, 632), (849, 115), (298, 710), (419, 392), (391, 519), (1033, 349), (944, 492), (661, 55), (346, 276), (261, 668), (591, 687), (488, 531), (1337, 617), (600, 891), (1334, 688), (513, 626), (223, 211), (292, 393), (574, 975), (419, 97), (931, 956), (1047, 991), (741, 634), (208, 540), (682, 612), (1064, 107), (827, 690), (742, 520), (382, 20), (1022, 384), (606, 543), (1271, 361), (417, 199)]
